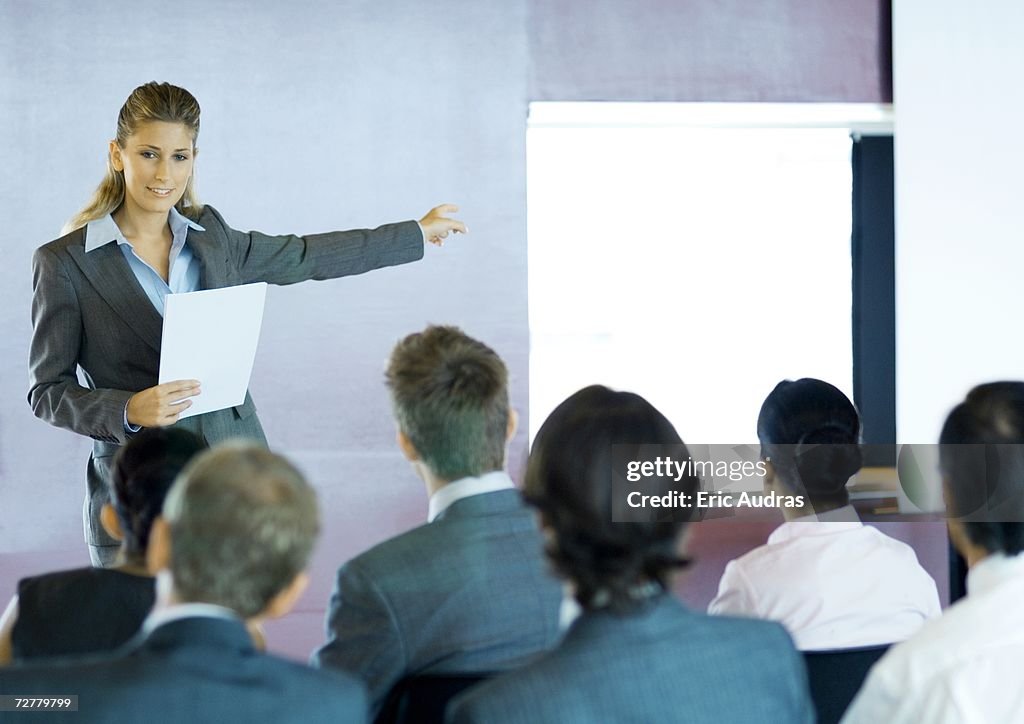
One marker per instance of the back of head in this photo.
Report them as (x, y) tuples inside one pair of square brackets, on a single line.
[(981, 453), (141, 474), (570, 480), (450, 398), (243, 522), (811, 433)]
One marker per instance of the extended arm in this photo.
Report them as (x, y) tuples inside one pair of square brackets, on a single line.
[(289, 259)]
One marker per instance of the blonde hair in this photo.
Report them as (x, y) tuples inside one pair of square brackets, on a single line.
[(150, 102)]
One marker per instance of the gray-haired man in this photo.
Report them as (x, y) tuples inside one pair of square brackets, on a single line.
[(231, 547)]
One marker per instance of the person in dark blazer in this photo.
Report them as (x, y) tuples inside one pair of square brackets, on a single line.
[(98, 290), (68, 613), (231, 547), (469, 591), (634, 654)]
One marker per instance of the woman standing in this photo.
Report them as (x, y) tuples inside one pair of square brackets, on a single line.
[(98, 291)]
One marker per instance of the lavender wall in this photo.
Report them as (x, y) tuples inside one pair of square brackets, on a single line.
[(319, 116), (315, 117)]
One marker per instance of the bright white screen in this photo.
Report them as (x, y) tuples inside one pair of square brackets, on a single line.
[(695, 266)]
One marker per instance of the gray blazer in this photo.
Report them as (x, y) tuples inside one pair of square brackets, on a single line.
[(89, 313), (664, 664), (190, 670), (469, 592)]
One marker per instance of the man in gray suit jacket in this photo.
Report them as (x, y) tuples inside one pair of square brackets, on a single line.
[(232, 546), (469, 591)]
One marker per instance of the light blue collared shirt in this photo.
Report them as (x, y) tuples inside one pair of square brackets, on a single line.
[(184, 267)]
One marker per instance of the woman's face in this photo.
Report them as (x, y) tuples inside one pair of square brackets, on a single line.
[(157, 162)]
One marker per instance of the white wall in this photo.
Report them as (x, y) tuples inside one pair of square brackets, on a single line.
[(959, 106)]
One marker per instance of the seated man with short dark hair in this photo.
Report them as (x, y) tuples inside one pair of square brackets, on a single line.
[(964, 665), (231, 547), (469, 591)]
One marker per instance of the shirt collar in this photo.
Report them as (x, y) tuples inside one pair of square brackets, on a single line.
[(465, 487), (164, 611), (994, 570), (164, 615), (832, 521), (102, 231)]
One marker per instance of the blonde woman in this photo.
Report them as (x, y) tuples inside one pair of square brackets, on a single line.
[(98, 291)]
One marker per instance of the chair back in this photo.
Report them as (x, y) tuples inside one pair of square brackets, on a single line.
[(422, 699), (836, 676)]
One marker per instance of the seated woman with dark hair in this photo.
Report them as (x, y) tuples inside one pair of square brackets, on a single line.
[(88, 610), (634, 653), (832, 581)]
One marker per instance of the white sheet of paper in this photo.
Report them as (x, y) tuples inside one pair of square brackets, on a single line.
[(211, 336)]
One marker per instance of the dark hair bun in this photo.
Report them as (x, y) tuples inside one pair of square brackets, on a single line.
[(826, 458)]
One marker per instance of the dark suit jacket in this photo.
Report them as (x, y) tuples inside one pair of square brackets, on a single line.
[(190, 671), (469, 592), (663, 664), (89, 312), (69, 612)]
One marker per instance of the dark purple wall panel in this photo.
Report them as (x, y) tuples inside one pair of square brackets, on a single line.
[(724, 50)]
